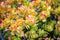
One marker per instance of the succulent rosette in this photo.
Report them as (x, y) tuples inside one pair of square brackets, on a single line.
[(31, 34), (43, 15), (42, 33)]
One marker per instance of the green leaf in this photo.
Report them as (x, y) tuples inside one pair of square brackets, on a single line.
[(6, 35), (56, 32), (33, 28)]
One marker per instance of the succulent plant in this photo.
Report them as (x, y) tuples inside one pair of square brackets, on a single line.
[(29, 19), (31, 34), (50, 26), (42, 33), (57, 9), (15, 38)]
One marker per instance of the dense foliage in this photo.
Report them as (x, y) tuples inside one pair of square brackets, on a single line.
[(29, 19)]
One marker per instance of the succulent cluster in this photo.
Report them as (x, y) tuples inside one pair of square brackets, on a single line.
[(29, 19)]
